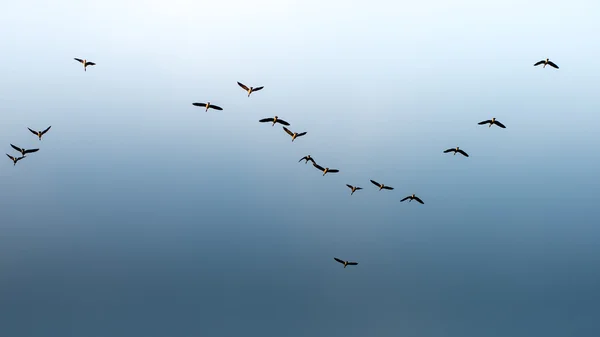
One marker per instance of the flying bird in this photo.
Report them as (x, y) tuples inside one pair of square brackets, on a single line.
[(14, 159), (546, 62), (411, 198), (274, 120), (345, 263), (455, 150), (249, 90), (381, 185), (325, 170), (307, 158), (492, 122), (294, 134), (208, 106), (23, 151), (85, 63), (353, 188), (40, 133)]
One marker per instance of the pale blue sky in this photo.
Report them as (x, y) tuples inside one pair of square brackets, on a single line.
[(142, 215)]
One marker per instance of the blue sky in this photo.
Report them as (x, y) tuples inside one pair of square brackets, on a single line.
[(142, 215)]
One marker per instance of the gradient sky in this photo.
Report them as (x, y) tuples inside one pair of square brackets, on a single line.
[(142, 215)]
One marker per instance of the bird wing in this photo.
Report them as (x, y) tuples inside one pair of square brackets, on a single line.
[(449, 150), (359, 188), (462, 152), (303, 158), (264, 120), (199, 104), (552, 64), (257, 89), (375, 183), (500, 124), (90, 63), (281, 121), (80, 60), (34, 132), (288, 131), (301, 134), (21, 157), (318, 166), (350, 186), (485, 122), (388, 187), (243, 86), (405, 199), (333, 171), (419, 200), (11, 157), (312, 160), (352, 263), (540, 62), (16, 148), (43, 132), (338, 260), (216, 107), (31, 151)]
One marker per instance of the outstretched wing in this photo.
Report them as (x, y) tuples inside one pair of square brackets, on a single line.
[(350, 186), (34, 132), (352, 263), (462, 152), (281, 121), (199, 104), (303, 158), (11, 157), (419, 200), (388, 187), (264, 120), (90, 64), (301, 134), (43, 132), (31, 151), (375, 183), (552, 64), (485, 122), (449, 150), (318, 167), (333, 171), (257, 89), (16, 148), (288, 131), (540, 62), (216, 107), (311, 160), (338, 260), (243, 86), (359, 188), (500, 124), (405, 199), (80, 60)]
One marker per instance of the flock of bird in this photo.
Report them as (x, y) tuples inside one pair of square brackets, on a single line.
[(274, 120)]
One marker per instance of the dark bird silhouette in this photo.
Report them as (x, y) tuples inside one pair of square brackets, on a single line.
[(14, 159), (294, 134), (381, 185), (307, 158), (455, 150), (546, 62), (345, 263), (274, 120), (85, 63), (23, 151), (411, 198), (249, 90), (40, 133), (325, 170), (353, 188), (208, 106), (492, 122)]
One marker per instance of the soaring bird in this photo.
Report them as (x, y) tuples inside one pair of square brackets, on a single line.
[(325, 170), (381, 185), (208, 106), (492, 122), (411, 198), (85, 63), (274, 120), (546, 62), (15, 160), (354, 188), (294, 134), (307, 158), (455, 150), (23, 151), (345, 263), (40, 133), (249, 90)]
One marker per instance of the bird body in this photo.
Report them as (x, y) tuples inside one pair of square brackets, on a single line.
[(249, 90), (411, 198), (492, 122), (307, 158), (381, 186), (325, 170), (40, 133), (208, 106), (353, 188), (274, 120), (294, 134), (23, 151), (546, 62), (457, 150), (345, 263), (15, 159), (85, 63)]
